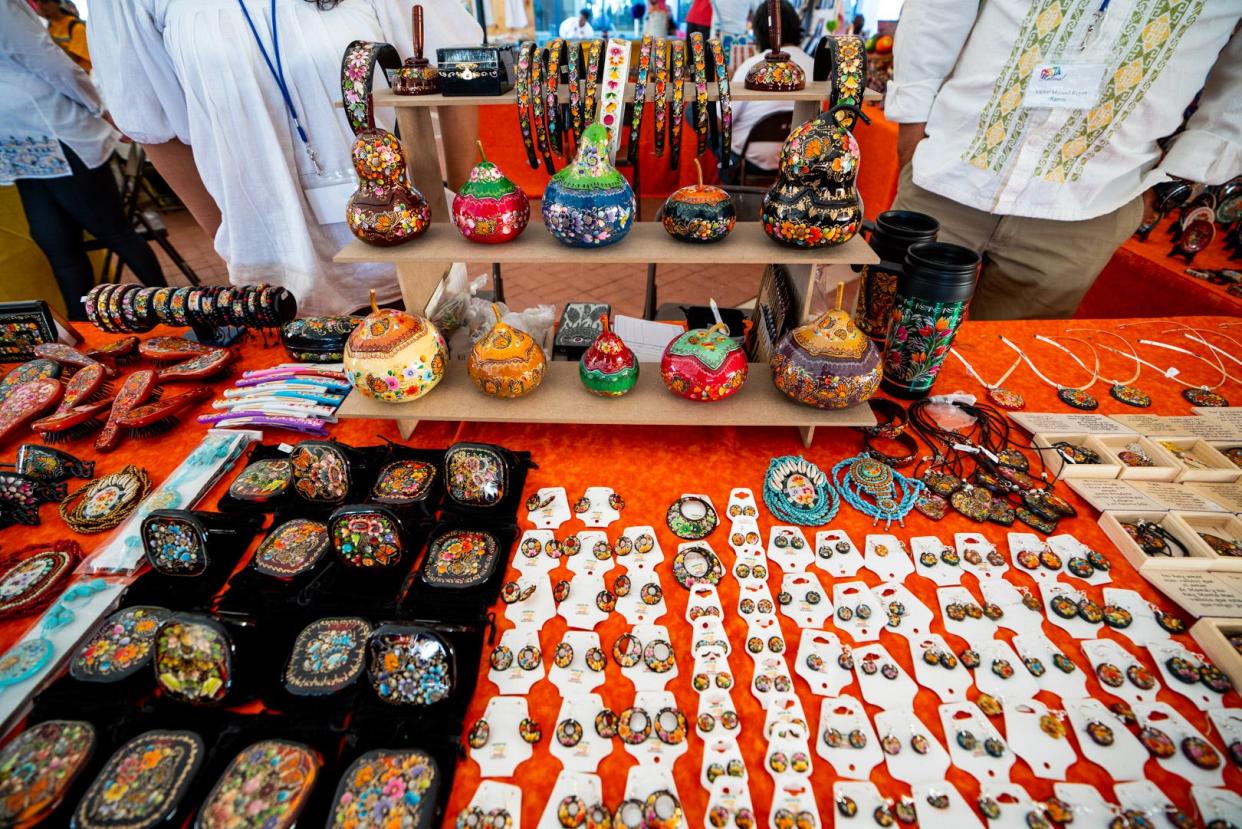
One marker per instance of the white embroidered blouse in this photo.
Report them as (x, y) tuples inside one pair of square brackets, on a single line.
[(964, 68)]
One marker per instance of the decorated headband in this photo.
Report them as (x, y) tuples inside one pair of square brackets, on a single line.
[(358, 76)]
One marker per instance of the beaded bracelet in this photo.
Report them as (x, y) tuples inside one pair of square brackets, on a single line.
[(575, 87), (537, 99), (678, 108), (726, 100), (552, 110), (699, 56), (640, 96), (522, 84), (661, 85), (592, 78)]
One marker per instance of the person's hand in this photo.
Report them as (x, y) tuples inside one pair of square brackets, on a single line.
[(908, 137), (1149, 207)]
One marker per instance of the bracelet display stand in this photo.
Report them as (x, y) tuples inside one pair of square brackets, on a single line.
[(422, 264)]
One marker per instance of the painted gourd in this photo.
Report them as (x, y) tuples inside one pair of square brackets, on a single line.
[(489, 208), (589, 204), (506, 361), (814, 202), (384, 211), (704, 364), (699, 212), (395, 356), (827, 363), (608, 367)]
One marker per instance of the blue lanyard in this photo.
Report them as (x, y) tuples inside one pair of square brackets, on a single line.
[(277, 70)]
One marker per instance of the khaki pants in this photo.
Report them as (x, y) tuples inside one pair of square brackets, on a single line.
[(1032, 268)]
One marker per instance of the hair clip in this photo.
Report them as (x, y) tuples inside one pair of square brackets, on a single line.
[(410, 665), (238, 419), (193, 659), (43, 463), (367, 536), (160, 764), (51, 754)]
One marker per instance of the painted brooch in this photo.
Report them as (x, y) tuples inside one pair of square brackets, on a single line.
[(327, 656), (366, 536), (460, 558), (291, 549), (120, 646), (142, 784), (410, 665), (262, 481), (477, 474), (402, 483), (38, 767), (267, 785), (401, 785), (320, 472)]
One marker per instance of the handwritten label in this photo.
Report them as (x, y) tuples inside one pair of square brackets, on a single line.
[(1199, 593), (1111, 495), (1069, 424), (1184, 426), (1228, 495), (1177, 496)]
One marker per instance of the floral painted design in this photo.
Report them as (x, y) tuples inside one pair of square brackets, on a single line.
[(38, 767), (327, 656), (919, 339), (193, 660), (120, 646), (409, 666), (461, 558), (477, 475), (291, 549), (265, 787), (320, 472), (174, 546), (404, 482), (367, 538), (30, 581), (142, 783), (262, 480), (588, 203), (398, 786), (356, 67)]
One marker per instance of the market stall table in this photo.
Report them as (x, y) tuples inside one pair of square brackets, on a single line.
[(650, 468), (1142, 277)]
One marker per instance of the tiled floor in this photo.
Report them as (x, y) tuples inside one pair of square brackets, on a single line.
[(623, 287)]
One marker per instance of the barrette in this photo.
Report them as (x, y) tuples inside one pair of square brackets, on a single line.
[(198, 368), (137, 389), (41, 463), (69, 356), (265, 393), (230, 420), (273, 405), (21, 497), (302, 371), (26, 402), (292, 385)]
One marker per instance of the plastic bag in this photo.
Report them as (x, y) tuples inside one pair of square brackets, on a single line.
[(452, 307), (479, 319)]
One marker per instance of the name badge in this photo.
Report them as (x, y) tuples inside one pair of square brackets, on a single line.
[(1064, 86)]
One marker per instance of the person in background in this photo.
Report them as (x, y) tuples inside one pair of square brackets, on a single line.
[(699, 18), (859, 23), (763, 157), (1032, 135), (67, 30), (578, 28), (658, 22), (202, 86), (55, 146)]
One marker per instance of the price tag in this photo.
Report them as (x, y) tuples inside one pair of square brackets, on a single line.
[(1065, 85)]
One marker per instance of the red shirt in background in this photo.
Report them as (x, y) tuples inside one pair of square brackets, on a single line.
[(700, 13)]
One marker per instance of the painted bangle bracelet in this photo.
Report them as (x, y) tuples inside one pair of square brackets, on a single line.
[(522, 89), (677, 112), (699, 66), (552, 109), (594, 50), (659, 104), (537, 103), (726, 99), (640, 97)]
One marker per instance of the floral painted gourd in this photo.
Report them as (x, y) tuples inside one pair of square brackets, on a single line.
[(489, 208), (704, 364), (827, 363), (417, 76), (776, 72), (383, 211), (608, 367), (814, 202), (589, 204), (699, 212), (395, 356), (506, 361)]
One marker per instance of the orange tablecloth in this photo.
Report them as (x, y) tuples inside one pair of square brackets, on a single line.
[(1141, 277), (650, 467)]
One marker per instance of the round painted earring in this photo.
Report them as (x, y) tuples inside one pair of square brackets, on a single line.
[(479, 734)]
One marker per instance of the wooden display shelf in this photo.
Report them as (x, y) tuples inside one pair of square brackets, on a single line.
[(646, 243), (561, 398)]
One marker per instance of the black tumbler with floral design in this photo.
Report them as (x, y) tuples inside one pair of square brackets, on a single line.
[(892, 234), (933, 293)]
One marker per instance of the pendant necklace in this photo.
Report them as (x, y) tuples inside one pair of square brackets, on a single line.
[(1197, 395), (1076, 396), (1005, 398), (1122, 390)]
